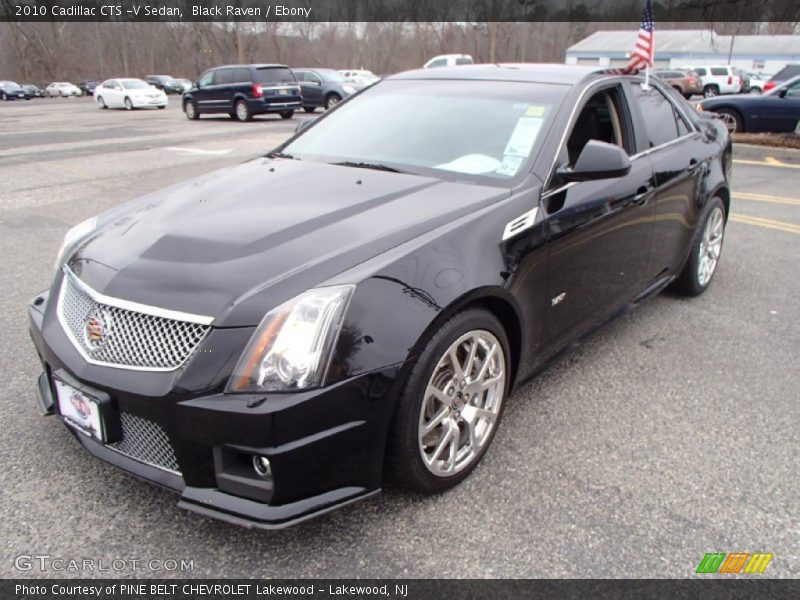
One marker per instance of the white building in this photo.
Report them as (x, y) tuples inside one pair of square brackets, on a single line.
[(681, 48)]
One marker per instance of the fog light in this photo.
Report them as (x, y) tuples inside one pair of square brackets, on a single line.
[(262, 466)]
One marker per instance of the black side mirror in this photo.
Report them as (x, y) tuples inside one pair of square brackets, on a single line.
[(597, 160), (782, 93), (304, 124)]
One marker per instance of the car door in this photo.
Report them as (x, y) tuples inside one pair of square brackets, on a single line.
[(311, 87), (112, 93), (599, 231), (203, 95), (780, 112), (679, 156)]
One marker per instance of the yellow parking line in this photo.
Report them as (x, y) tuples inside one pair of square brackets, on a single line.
[(765, 198), (767, 162), (768, 223)]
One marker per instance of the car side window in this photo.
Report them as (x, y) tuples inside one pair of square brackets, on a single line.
[(700, 71), (603, 119), (241, 75), (300, 76), (657, 113), (223, 77), (206, 78), (793, 91), (719, 71), (438, 63)]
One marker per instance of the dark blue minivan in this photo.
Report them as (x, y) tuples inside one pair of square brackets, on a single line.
[(243, 91)]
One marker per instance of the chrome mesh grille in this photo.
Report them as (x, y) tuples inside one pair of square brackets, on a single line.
[(146, 442), (128, 339)]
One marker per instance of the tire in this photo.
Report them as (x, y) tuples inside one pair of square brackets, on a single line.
[(3, 96), (287, 114), (190, 110), (309, 109), (332, 100), (688, 96), (733, 120), (101, 103), (407, 443), (243, 113), (755, 90), (697, 275), (677, 89), (710, 91), (128, 104)]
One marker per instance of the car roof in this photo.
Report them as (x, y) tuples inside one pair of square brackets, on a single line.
[(522, 72), (326, 70), (254, 65)]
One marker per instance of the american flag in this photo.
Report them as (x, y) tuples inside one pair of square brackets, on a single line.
[(645, 48)]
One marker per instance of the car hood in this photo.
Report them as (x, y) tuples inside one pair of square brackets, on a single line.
[(235, 243)]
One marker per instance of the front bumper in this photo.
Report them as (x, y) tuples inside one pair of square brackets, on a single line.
[(144, 102), (325, 446)]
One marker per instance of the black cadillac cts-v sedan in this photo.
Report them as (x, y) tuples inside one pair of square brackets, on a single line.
[(353, 309)]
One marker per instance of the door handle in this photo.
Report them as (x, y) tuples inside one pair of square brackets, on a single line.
[(642, 194)]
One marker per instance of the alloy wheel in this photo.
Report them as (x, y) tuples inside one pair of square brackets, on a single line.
[(188, 108), (730, 121), (242, 112), (462, 403), (710, 246)]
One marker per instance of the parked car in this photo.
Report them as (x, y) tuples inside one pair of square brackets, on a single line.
[(324, 87), (718, 79), (359, 76), (686, 83), (756, 82), (449, 60), (61, 89), (284, 336), (786, 73), (242, 91), (128, 93), (11, 90), (32, 90), (87, 86), (185, 84), (775, 111), (165, 83)]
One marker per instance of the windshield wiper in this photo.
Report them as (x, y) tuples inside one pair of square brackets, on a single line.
[(282, 155), (366, 165)]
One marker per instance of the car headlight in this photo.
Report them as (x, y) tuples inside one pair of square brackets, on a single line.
[(292, 347), (349, 89), (699, 107), (73, 236)]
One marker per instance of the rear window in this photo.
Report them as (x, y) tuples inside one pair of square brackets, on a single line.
[(276, 75), (719, 71)]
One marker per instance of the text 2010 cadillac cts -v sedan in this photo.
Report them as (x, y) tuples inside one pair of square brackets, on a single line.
[(282, 337)]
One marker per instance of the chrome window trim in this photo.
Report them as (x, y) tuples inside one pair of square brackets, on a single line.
[(664, 145), (571, 122), (124, 305)]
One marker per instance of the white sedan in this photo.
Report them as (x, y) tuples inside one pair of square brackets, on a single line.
[(62, 89), (128, 94)]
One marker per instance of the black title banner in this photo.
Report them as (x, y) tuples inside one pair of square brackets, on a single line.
[(706, 11), (413, 589)]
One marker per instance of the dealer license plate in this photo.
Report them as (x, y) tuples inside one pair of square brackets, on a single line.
[(80, 411)]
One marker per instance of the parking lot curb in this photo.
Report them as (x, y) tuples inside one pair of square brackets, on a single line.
[(756, 152)]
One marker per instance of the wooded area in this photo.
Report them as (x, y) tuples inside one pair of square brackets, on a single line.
[(44, 52)]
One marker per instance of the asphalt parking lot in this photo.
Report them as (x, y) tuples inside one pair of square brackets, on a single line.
[(672, 432)]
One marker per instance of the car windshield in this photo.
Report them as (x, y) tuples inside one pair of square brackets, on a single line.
[(274, 75), (135, 84), (482, 130)]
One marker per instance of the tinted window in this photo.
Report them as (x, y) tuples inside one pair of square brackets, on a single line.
[(241, 75), (719, 71), (700, 71), (223, 76), (274, 75), (657, 113), (463, 61), (206, 78)]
